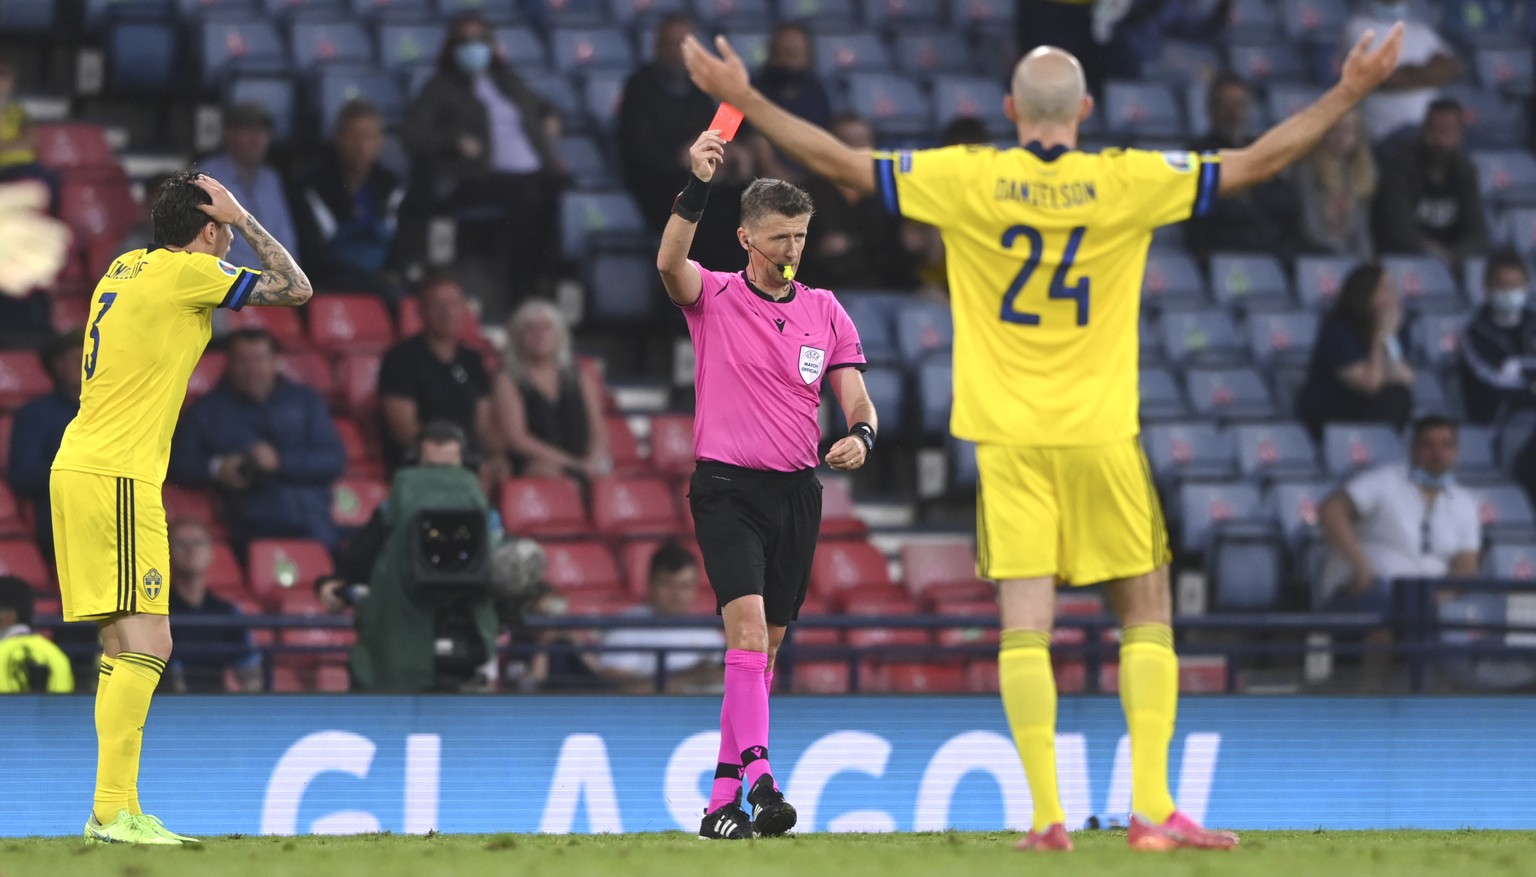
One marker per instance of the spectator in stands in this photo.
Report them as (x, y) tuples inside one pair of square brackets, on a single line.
[(434, 376), (1261, 219), (858, 243), (672, 586), (1498, 347), (660, 114), (18, 155), (266, 443), (1337, 183), (1357, 373), (1429, 200), (242, 169), (789, 79), (29, 662), (551, 413), (482, 145), (39, 427), (1426, 63), (347, 208), (204, 652)]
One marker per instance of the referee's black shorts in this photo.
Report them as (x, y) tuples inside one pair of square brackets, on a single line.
[(757, 531)]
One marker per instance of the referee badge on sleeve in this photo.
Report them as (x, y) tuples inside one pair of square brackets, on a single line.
[(812, 361)]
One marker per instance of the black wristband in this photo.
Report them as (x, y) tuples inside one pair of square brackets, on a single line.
[(866, 434), (689, 203)]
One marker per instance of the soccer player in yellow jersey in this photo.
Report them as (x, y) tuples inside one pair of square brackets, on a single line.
[(1046, 250), (150, 318)]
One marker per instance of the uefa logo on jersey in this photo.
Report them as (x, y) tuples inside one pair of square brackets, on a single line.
[(152, 583), (228, 268), (812, 361), (1179, 161)]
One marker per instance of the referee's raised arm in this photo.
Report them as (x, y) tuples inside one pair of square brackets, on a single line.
[(680, 278)]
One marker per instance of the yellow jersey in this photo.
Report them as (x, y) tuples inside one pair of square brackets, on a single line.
[(1046, 250), (151, 316), (32, 664)]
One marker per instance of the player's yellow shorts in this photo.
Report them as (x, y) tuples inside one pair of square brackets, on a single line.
[(109, 535), (1083, 515)]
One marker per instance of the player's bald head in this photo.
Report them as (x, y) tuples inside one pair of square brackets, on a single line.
[(1049, 86)]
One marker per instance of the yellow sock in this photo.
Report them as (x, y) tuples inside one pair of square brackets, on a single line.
[(102, 679), (1029, 699), (1149, 693), (121, 708)]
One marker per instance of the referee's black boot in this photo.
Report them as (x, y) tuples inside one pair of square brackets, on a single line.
[(726, 822), (773, 816)]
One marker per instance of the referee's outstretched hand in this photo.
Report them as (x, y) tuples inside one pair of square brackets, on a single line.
[(706, 154), (847, 454)]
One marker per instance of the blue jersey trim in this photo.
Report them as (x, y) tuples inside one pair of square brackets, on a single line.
[(885, 178), (240, 290), (1208, 183)]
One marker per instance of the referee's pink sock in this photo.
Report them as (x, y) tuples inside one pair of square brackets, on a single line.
[(727, 787), (746, 702)]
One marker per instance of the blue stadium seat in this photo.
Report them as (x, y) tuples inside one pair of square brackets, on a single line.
[(1319, 279), (935, 391), (1437, 339), (602, 97), (398, 11), (1249, 281), (523, 47), (577, 13), (1205, 506), (1475, 459), (821, 15), (337, 85), (1252, 20), (239, 47), (1161, 397), (1429, 395), (1275, 451), (1246, 566), (1423, 281), (494, 11), (893, 104), (1281, 337), (1150, 347), (982, 16), (1472, 269), (841, 53), (1508, 70), (1350, 447), (1188, 451), (1507, 176), (584, 161), (1169, 238), (1229, 394), (1284, 100), (583, 50), (751, 45), (99, 14), (1172, 280), (562, 95), (588, 219), (926, 53), (872, 315), (923, 329), (888, 390), (1204, 337), (1505, 512), (306, 10), (904, 16), (1294, 505), (276, 93), (975, 96), (1315, 21), (27, 16), (1268, 62), (621, 288), (1490, 120), (1518, 229), (408, 46), (730, 15), (1183, 63), (1142, 109), (198, 11), (629, 13), (142, 56), (1511, 561), (963, 471), (314, 44)]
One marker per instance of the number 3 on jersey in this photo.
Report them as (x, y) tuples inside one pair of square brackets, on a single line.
[(1077, 292), (107, 298)]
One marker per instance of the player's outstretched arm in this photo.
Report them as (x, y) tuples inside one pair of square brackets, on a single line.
[(725, 78), (681, 279), (283, 283), (1364, 71)]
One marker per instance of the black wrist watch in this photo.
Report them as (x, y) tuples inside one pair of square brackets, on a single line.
[(865, 434)]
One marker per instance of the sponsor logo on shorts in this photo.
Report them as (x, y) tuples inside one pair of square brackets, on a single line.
[(152, 583)]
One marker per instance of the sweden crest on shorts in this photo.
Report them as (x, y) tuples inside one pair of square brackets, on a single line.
[(812, 361), (152, 583)]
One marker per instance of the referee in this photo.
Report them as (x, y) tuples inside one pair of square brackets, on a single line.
[(763, 345)]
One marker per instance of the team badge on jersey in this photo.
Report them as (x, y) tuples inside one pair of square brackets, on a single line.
[(228, 268), (152, 583), (1179, 161), (812, 361)]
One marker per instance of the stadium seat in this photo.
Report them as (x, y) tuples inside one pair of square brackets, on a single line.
[(353, 500), (1183, 62), (1200, 337), (1263, 64), (582, 50), (406, 46), (598, 602), (1506, 176), (347, 323), (602, 97), (1508, 70), (587, 218), (543, 508), (935, 386), (1204, 507), (892, 103), (277, 566), (1142, 109), (276, 93), (1313, 21), (6, 425), (581, 566), (888, 391), (1275, 451), (142, 56), (838, 519), (1511, 561), (583, 159), (1243, 280), (1489, 119), (309, 368), (911, 677), (561, 94), (1475, 458), (99, 211), (239, 46), (1283, 101), (820, 677), (1229, 394), (624, 448), (633, 507), (900, 17), (1350, 447), (337, 85), (76, 148), (13, 523), (928, 564), (925, 53), (282, 324), (1422, 281), (923, 329), (893, 603), (821, 15), (357, 383), (314, 44), (873, 315), (1246, 568), (184, 503), (622, 288), (1429, 396), (1319, 279), (1252, 20), (1437, 339), (1505, 512), (494, 11), (1173, 280), (1281, 338), (20, 558), (1182, 451), (1518, 227), (1293, 505), (672, 444), (22, 378), (962, 470), (386, 12), (976, 97), (362, 459), (18, 17), (1161, 397), (224, 576), (982, 16), (636, 556), (843, 564), (523, 48), (838, 54)]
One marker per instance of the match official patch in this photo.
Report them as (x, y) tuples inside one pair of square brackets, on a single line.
[(812, 361), (1179, 161), (228, 268)]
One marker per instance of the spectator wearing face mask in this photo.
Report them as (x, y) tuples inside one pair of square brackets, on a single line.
[(1498, 346), (789, 79)]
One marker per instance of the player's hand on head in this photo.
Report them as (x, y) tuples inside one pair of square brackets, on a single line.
[(1370, 63), (849, 453), (706, 154), (724, 78), (224, 207)]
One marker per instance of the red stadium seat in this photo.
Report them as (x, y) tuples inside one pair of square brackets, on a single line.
[(705, 602), (310, 369), (895, 604), (349, 323), (633, 507), (917, 678), (261, 636), (592, 370), (197, 505), (543, 507), (207, 374), (838, 520), (283, 324), (817, 603), (818, 636), (357, 377), (1203, 674), (581, 566), (99, 212), (333, 679), (20, 558), (5, 442), (684, 507), (361, 459), (1079, 604), (623, 449), (844, 564), (863, 595), (224, 576), (635, 558), (968, 636), (68, 312), (821, 677), (45, 607), (926, 564), (12, 521), (672, 444), (981, 676), (598, 602), (22, 378), (74, 147), (353, 500), (288, 680), (960, 592), (278, 566)]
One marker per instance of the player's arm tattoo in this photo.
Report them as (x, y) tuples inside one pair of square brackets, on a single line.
[(283, 282)]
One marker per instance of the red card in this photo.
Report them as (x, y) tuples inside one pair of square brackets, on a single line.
[(727, 120)]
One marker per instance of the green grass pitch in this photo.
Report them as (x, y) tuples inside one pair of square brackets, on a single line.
[(1099, 854)]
